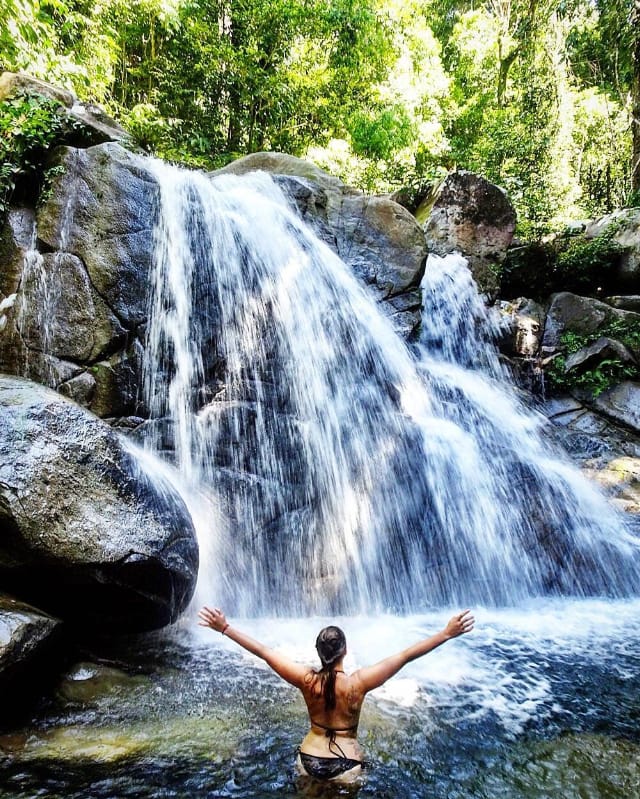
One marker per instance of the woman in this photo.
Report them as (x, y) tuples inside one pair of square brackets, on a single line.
[(330, 750)]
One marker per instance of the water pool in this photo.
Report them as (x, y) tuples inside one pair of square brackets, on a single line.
[(539, 701)]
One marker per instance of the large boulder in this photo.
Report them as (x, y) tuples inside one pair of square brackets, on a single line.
[(472, 216), (375, 236), (86, 531), (100, 210), (29, 640)]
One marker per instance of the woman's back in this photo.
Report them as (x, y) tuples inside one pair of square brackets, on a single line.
[(333, 730)]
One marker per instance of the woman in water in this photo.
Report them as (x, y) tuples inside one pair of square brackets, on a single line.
[(330, 750)]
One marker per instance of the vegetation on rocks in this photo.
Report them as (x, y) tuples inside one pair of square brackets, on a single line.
[(29, 126), (604, 374)]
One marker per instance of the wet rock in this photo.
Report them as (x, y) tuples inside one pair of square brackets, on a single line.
[(378, 238), (473, 217), (87, 682), (28, 648), (390, 247), (16, 238), (100, 210), (61, 314), (621, 404), (87, 533), (117, 383)]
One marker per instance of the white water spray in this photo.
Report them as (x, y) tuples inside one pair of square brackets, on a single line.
[(353, 476)]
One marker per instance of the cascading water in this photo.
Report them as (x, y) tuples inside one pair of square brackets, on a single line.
[(355, 474)]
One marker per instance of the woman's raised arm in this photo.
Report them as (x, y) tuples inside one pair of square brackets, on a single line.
[(289, 670), (374, 676)]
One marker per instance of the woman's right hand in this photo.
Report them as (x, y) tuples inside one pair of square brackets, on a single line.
[(460, 624), (215, 619)]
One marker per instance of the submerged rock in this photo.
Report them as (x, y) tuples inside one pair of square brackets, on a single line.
[(86, 533)]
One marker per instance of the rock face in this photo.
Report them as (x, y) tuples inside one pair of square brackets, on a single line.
[(474, 217), (581, 315), (86, 533), (621, 404), (28, 642), (73, 282), (378, 238), (604, 439)]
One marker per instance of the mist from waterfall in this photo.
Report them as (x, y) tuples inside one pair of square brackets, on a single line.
[(352, 473)]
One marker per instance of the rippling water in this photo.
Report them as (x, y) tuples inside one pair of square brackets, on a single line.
[(539, 701)]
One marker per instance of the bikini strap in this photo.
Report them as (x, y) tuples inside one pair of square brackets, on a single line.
[(333, 730)]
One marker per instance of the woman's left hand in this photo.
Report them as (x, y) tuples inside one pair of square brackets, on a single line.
[(213, 618)]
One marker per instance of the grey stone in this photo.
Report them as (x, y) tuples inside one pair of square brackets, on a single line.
[(28, 643), (626, 223), (101, 210), (597, 352), (98, 127), (86, 531), (63, 316), (621, 404), (11, 83), (472, 216), (117, 383), (80, 389), (283, 164), (581, 315), (557, 406), (625, 302), (390, 246)]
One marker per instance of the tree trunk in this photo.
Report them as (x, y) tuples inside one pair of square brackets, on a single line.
[(635, 99)]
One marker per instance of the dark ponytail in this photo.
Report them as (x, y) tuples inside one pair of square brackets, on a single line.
[(331, 646)]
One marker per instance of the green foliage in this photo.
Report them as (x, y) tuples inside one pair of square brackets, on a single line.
[(608, 372), (381, 133), (532, 95), (29, 126), (565, 263), (584, 266)]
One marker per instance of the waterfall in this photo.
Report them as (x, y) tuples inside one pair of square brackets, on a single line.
[(354, 474)]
